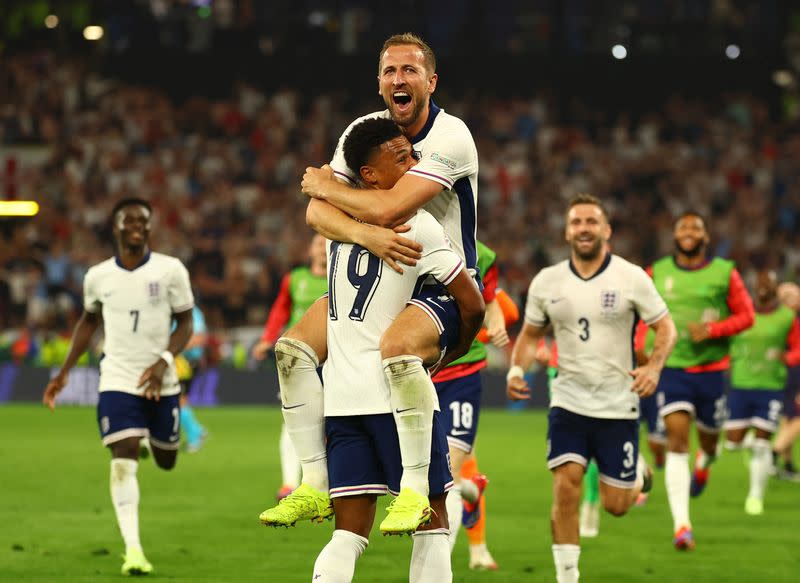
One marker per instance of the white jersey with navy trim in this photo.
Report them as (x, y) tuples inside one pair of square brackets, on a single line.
[(364, 298), (447, 155), (137, 307), (594, 321)]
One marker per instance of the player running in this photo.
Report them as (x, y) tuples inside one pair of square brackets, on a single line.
[(136, 295), (759, 358), (592, 301), (710, 304)]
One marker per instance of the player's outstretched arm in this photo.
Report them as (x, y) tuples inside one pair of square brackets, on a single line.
[(153, 375), (385, 208), (645, 377), (522, 356), (81, 336), (472, 310), (388, 244)]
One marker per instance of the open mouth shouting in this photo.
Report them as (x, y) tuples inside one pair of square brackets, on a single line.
[(402, 101)]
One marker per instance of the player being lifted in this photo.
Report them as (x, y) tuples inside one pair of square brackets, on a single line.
[(135, 295), (709, 304), (759, 358), (592, 301), (364, 456), (445, 183)]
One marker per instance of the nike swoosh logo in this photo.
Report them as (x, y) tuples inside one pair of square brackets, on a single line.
[(293, 406), (404, 410), (556, 300), (456, 432), (627, 474)]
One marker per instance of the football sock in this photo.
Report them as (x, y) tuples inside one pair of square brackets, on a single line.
[(303, 411), (566, 559), (290, 465), (677, 478), (455, 510), (190, 425), (591, 484), (336, 563), (430, 557), (759, 468), (413, 399), (125, 497)]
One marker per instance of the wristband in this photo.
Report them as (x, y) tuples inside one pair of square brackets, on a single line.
[(515, 372), (167, 357)]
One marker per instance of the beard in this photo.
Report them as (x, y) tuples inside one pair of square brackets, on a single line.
[(408, 118), (694, 251), (592, 253)]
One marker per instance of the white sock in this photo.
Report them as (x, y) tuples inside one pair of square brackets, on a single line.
[(430, 557), (733, 446), (469, 491), (566, 559), (455, 510), (413, 399), (125, 497), (336, 563), (759, 468), (303, 408), (290, 465), (677, 478)]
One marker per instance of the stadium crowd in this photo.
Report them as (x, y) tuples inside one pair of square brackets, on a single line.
[(223, 176)]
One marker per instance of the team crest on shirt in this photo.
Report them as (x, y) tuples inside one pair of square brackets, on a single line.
[(153, 291), (609, 300)]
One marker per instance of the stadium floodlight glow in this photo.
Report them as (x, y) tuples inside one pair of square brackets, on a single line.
[(783, 78), (619, 52), (733, 52), (51, 21), (93, 32), (18, 208)]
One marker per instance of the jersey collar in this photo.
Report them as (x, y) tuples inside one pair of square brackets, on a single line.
[(434, 111), (600, 269), (682, 268), (144, 260)]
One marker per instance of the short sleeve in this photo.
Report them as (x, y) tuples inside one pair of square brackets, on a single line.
[(91, 297), (180, 290), (448, 156), (649, 304), (438, 258), (535, 314)]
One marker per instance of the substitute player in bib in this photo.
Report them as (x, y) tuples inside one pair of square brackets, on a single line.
[(759, 357), (459, 389), (365, 297), (445, 183), (135, 295), (300, 288), (710, 304), (782, 459), (592, 301)]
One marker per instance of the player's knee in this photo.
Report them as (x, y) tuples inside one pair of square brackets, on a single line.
[(166, 461), (616, 506), (291, 353), (392, 345), (567, 492)]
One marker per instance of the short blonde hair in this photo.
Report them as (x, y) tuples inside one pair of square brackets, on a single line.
[(409, 38)]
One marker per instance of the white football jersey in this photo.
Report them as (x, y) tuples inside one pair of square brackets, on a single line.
[(364, 298), (137, 308), (594, 321), (447, 155)]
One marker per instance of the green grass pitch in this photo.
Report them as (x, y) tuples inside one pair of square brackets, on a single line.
[(199, 522)]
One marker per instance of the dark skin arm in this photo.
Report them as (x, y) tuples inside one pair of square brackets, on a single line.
[(153, 375), (472, 309), (81, 337)]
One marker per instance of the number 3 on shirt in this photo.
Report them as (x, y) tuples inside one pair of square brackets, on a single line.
[(584, 335)]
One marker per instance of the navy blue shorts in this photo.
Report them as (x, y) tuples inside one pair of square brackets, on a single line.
[(701, 394), (460, 401), (442, 308), (121, 415), (364, 456), (648, 412), (613, 443), (754, 408), (790, 407)]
